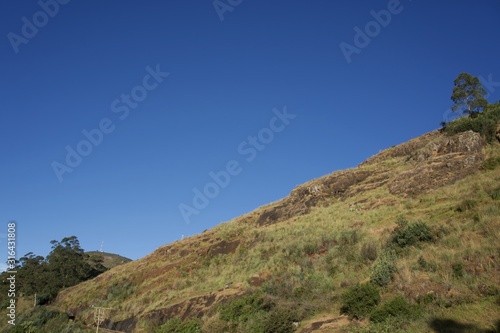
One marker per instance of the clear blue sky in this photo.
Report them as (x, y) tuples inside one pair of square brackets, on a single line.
[(225, 79)]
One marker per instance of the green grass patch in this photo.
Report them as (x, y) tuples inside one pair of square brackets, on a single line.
[(398, 308), (176, 325)]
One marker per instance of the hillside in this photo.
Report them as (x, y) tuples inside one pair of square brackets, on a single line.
[(305, 250), (110, 260), (420, 220)]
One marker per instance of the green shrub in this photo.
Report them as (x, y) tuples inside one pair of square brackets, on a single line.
[(422, 262), (466, 205), (311, 248), (484, 123), (458, 269), (369, 251), (426, 265), (241, 309), (283, 288), (491, 163), (360, 300), (398, 307), (257, 313), (410, 233), (427, 299), (495, 194), (280, 320), (383, 269), (176, 325)]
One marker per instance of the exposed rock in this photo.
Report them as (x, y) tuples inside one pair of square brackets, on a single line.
[(498, 132), (127, 325), (432, 160), (440, 163), (223, 247), (194, 307), (303, 197), (404, 149)]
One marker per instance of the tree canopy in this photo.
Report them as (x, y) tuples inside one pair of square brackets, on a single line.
[(468, 95), (65, 266)]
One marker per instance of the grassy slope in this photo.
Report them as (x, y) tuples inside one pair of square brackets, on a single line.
[(315, 257)]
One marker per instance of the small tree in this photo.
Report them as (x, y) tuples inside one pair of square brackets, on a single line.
[(468, 95)]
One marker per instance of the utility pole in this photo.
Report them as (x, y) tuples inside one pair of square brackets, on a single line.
[(99, 316)]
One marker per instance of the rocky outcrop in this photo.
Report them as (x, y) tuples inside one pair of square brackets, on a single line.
[(304, 197), (194, 307), (428, 162), (440, 162)]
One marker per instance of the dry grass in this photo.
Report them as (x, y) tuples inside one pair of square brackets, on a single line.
[(325, 250)]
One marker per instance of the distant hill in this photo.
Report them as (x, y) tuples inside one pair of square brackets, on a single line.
[(110, 260)]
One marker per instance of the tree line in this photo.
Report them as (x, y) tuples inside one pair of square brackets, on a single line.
[(66, 265)]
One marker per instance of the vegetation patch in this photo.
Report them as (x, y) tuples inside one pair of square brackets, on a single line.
[(176, 325), (43, 319), (425, 265), (256, 313), (484, 123), (360, 300), (369, 251), (458, 269), (410, 233), (280, 320), (398, 308), (119, 291), (466, 205), (491, 163), (241, 309), (65, 266), (383, 269), (495, 194)]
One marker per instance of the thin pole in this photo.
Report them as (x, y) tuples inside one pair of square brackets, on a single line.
[(99, 316)]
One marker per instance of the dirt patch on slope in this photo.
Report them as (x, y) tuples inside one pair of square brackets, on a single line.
[(326, 324)]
